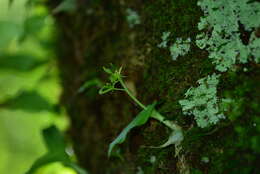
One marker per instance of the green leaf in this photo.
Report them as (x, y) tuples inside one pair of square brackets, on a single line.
[(32, 26), (19, 62), (105, 89), (55, 144), (53, 139), (47, 159), (56, 152), (9, 31), (175, 137), (30, 101), (139, 120), (90, 83)]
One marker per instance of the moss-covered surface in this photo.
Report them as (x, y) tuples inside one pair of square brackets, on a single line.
[(97, 34)]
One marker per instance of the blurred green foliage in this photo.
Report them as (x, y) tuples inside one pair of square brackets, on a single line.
[(29, 86), (56, 146)]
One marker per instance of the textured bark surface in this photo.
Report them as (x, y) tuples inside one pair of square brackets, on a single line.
[(97, 34)]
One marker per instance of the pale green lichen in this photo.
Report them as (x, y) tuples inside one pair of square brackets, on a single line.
[(180, 48), (164, 38), (202, 102), (132, 18), (224, 25), (255, 48)]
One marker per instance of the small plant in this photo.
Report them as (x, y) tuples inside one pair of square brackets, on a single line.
[(148, 111), (202, 102), (132, 18)]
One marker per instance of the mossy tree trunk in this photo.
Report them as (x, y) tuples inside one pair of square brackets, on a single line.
[(97, 34)]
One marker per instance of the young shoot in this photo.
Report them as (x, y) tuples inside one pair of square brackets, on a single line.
[(116, 77)]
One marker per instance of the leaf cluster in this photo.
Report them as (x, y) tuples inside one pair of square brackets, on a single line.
[(114, 78)]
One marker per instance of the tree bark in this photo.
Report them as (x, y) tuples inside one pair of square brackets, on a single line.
[(97, 34)]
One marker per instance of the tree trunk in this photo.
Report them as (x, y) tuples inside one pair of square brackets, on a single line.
[(97, 34)]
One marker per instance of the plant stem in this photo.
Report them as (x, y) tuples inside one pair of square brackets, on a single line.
[(130, 94), (155, 114)]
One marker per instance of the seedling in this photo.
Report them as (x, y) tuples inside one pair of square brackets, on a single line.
[(148, 111)]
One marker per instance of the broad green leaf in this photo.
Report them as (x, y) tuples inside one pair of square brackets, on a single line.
[(47, 159), (9, 31), (32, 26), (55, 144), (19, 62), (56, 152), (30, 101), (53, 139), (139, 120)]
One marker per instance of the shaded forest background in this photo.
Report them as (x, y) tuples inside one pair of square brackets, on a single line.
[(51, 59)]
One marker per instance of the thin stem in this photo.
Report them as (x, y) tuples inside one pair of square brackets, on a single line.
[(130, 94), (156, 115), (118, 89)]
